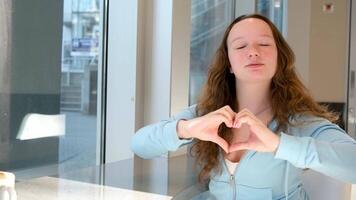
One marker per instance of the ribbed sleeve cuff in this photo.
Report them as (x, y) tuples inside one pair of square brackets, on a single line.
[(174, 141), (289, 148)]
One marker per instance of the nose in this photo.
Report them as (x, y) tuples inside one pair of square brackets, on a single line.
[(253, 52)]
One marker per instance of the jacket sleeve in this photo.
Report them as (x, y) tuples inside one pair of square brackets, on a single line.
[(159, 138), (328, 150)]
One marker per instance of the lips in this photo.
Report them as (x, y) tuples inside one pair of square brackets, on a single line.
[(254, 65)]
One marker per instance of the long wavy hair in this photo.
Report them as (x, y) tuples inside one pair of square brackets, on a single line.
[(288, 95)]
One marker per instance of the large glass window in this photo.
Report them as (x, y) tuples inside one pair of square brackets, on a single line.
[(79, 71), (273, 9), (209, 20), (49, 106)]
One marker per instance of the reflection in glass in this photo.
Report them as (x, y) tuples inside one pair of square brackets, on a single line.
[(35, 126), (272, 10), (79, 71), (48, 105), (209, 19)]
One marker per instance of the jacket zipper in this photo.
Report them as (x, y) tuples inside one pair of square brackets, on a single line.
[(232, 176), (233, 184), (232, 180)]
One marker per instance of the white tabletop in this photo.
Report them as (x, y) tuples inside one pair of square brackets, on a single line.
[(353, 192), (49, 188)]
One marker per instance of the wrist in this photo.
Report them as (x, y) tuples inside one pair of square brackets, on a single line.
[(182, 131)]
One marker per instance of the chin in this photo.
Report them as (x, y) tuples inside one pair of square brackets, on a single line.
[(256, 79)]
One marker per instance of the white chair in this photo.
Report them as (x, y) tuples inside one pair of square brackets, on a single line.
[(321, 187)]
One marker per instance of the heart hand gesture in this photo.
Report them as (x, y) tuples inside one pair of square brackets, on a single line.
[(261, 138), (206, 127)]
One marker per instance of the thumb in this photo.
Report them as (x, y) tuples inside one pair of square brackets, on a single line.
[(222, 143)]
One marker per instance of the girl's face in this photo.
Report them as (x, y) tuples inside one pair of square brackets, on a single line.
[(252, 51)]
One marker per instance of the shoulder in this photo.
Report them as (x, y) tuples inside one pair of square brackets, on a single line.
[(309, 125)]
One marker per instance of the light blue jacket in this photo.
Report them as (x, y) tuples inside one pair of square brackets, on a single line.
[(317, 144)]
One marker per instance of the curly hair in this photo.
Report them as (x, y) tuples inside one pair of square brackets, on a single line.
[(288, 95)]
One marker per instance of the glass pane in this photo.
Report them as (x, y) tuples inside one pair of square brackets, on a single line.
[(273, 9), (209, 19), (263, 7), (49, 96)]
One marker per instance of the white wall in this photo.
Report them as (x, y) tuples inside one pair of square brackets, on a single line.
[(121, 79), (319, 41), (157, 68), (298, 30), (166, 58), (181, 29), (165, 54), (328, 52)]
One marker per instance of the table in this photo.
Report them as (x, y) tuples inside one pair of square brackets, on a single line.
[(51, 188), (134, 179)]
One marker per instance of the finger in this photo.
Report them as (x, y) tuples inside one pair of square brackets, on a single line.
[(222, 143), (245, 119), (223, 117), (228, 112), (244, 112), (249, 119), (241, 112), (238, 115), (235, 121), (252, 114), (229, 116), (240, 146), (228, 108), (257, 128)]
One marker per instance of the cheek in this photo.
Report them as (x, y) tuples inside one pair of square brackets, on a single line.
[(236, 60), (271, 56), (273, 60)]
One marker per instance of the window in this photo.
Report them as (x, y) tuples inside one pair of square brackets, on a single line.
[(272, 9), (49, 107), (209, 20)]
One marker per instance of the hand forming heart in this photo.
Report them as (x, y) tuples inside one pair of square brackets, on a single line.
[(206, 128)]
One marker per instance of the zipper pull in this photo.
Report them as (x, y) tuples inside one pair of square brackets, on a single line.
[(232, 177)]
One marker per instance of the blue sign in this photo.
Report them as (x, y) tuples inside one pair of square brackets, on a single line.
[(85, 46)]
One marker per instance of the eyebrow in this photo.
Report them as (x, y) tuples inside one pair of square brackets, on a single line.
[(240, 37)]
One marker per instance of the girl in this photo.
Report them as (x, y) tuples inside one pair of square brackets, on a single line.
[(256, 127)]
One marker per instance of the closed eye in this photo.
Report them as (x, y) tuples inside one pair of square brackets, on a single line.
[(265, 45), (241, 47)]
